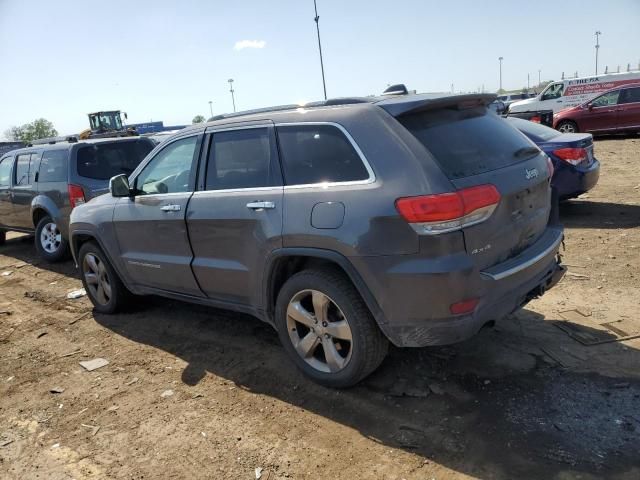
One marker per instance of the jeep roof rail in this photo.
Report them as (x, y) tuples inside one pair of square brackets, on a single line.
[(53, 140)]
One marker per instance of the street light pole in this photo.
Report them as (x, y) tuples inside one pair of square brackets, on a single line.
[(539, 81), (500, 60), (317, 19), (211, 107), (233, 99), (598, 33), (528, 81)]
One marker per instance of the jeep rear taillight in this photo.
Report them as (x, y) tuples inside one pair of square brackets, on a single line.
[(574, 156), (76, 195), (446, 212)]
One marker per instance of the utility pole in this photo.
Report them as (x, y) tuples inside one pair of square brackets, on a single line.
[(500, 60), (211, 107), (539, 81), (233, 99), (317, 19), (528, 81), (598, 33)]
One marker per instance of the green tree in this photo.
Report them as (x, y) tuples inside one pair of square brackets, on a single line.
[(198, 119), (40, 128)]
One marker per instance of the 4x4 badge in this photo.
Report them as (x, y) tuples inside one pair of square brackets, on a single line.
[(530, 173)]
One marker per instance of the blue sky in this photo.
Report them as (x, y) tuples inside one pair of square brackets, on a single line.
[(164, 60)]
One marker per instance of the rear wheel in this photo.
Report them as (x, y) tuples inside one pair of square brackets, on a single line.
[(327, 330), (50, 243), (104, 288), (567, 126)]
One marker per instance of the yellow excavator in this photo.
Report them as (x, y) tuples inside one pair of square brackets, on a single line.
[(107, 124)]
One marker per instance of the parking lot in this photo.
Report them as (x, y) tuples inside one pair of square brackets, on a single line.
[(552, 392)]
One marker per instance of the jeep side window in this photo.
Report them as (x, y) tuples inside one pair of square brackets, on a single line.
[(554, 91), (170, 170), (240, 159), (53, 166), (313, 154), (610, 98), (5, 172)]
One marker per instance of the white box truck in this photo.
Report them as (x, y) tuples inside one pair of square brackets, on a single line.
[(574, 91)]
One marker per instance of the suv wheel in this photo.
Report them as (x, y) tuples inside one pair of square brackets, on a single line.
[(104, 288), (327, 329), (50, 243)]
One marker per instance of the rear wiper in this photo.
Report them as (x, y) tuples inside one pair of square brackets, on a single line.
[(526, 152)]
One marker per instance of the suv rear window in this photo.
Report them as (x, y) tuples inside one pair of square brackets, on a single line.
[(53, 166), (317, 154), (101, 161), (468, 142)]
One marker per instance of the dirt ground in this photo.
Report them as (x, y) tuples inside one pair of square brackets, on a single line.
[(191, 392)]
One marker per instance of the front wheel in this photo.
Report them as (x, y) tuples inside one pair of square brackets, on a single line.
[(104, 288), (50, 243), (567, 126), (327, 329)]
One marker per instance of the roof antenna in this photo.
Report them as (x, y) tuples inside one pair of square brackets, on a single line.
[(397, 89)]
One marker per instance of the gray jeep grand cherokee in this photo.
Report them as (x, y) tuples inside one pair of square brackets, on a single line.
[(345, 224)]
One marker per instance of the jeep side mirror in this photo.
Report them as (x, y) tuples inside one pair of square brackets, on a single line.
[(119, 186)]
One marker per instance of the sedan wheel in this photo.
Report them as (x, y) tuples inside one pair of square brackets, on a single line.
[(568, 127), (50, 238), (96, 279)]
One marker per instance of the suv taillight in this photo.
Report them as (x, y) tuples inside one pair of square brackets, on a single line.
[(574, 156), (76, 195), (446, 212)]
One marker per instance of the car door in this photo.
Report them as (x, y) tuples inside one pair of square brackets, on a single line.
[(629, 109), (235, 219), (551, 98), (150, 226), (601, 114), (24, 189), (6, 208)]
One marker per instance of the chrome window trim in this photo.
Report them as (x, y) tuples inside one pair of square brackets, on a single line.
[(356, 147), (240, 190)]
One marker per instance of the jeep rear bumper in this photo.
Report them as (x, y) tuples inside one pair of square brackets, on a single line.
[(416, 303)]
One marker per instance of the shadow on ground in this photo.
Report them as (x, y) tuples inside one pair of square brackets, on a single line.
[(588, 214), (496, 403)]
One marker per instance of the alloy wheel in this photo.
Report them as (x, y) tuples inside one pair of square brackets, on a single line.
[(50, 238), (319, 331), (96, 278), (567, 128)]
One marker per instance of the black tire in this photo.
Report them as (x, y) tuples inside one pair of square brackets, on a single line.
[(567, 126), (3, 237), (118, 296), (53, 249), (368, 346)]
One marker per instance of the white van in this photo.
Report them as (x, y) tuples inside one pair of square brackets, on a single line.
[(575, 91)]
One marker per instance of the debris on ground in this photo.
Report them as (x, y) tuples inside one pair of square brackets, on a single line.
[(258, 472), (167, 393), (56, 390), (76, 294), (94, 428), (6, 273), (85, 314), (578, 276), (94, 364), (41, 334), (132, 381)]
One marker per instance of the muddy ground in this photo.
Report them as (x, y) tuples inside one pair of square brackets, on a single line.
[(191, 392)]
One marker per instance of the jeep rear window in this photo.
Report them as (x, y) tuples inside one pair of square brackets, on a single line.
[(314, 154), (468, 142), (101, 161)]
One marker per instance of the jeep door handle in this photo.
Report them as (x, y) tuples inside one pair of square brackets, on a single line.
[(170, 208), (261, 205)]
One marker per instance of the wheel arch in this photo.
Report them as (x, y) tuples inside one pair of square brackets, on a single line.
[(283, 263)]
